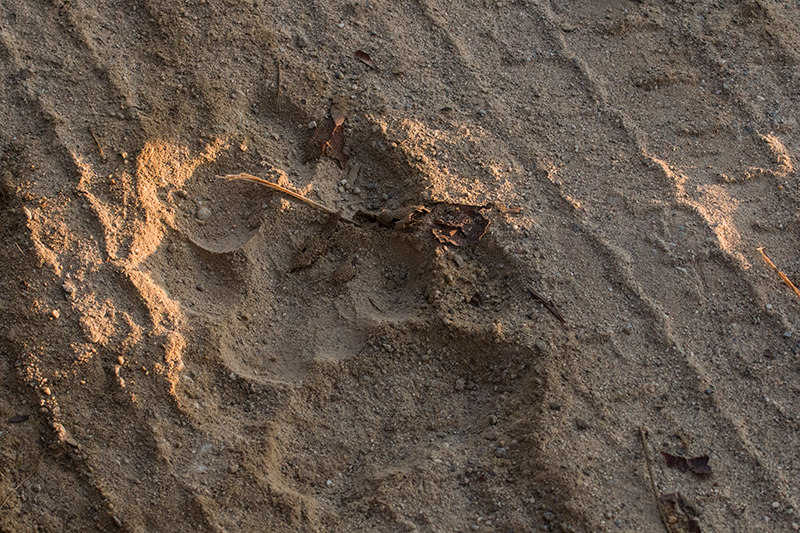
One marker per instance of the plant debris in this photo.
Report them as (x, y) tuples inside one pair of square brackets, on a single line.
[(697, 465), (400, 218), (364, 58), (678, 513), (284, 190), (784, 277), (328, 138), (460, 224), (548, 304)]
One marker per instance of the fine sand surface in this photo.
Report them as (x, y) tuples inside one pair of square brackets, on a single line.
[(180, 352)]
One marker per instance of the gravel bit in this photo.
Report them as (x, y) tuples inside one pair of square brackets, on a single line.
[(203, 213)]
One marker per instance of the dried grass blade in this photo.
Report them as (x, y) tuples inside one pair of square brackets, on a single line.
[(284, 190), (783, 276)]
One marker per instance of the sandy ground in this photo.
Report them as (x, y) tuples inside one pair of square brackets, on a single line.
[(185, 353)]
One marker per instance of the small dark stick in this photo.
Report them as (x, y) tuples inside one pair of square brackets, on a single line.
[(646, 450), (549, 305), (97, 142)]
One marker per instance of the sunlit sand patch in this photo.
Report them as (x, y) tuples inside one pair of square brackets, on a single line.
[(134, 221), (714, 204), (783, 162)]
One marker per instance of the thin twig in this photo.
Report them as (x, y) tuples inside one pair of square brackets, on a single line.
[(549, 305), (250, 177), (97, 142), (783, 276), (646, 450)]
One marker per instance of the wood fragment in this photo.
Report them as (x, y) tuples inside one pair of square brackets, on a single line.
[(783, 276), (648, 460), (97, 142), (250, 177), (549, 305)]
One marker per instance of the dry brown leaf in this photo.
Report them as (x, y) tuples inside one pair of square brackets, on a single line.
[(364, 58), (698, 465), (328, 138), (319, 140)]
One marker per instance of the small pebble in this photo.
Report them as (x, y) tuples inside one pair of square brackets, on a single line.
[(795, 526), (312, 124), (541, 347), (555, 406), (46, 391), (628, 330), (426, 358), (501, 452), (200, 287), (233, 468), (776, 505), (582, 424), (55, 313), (121, 360), (460, 384), (787, 334), (203, 213), (492, 419)]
